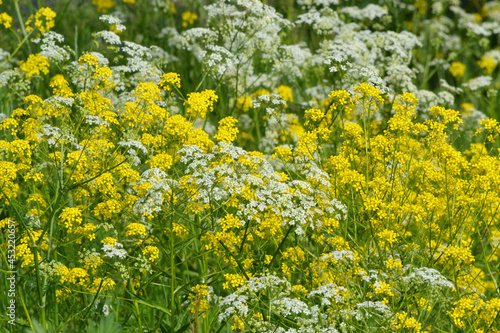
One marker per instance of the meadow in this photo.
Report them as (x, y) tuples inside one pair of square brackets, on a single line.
[(280, 166)]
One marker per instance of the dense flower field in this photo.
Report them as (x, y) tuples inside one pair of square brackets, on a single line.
[(243, 166)]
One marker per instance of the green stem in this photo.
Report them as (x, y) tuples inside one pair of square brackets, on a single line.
[(21, 23)]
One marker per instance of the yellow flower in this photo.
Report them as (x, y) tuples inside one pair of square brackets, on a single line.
[(77, 276), (43, 20), (169, 80), (488, 64), (60, 86), (180, 230), (283, 153), (162, 161), (227, 131), (200, 103), (103, 6), (35, 64), (383, 288), (199, 299), (89, 59), (152, 251), (233, 280), (70, 217), (457, 69), (244, 103), (286, 93), (135, 229), (409, 324), (229, 221), (188, 18), (6, 20)]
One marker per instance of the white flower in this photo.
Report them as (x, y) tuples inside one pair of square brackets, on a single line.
[(478, 82), (115, 250), (113, 20)]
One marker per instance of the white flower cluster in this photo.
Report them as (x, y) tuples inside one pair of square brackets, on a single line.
[(329, 292), (156, 198), (370, 12), (49, 48), (429, 277), (113, 20), (297, 207), (478, 82), (115, 250)]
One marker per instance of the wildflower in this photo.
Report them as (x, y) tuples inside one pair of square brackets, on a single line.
[(60, 86), (233, 280), (115, 22), (169, 80), (229, 221), (286, 93), (458, 254), (5, 20), (227, 131), (478, 82), (43, 20), (314, 115), (77, 276), (188, 18), (244, 103), (103, 6), (135, 229), (383, 288), (180, 230), (89, 59), (488, 64), (457, 69), (177, 128), (200, 297), (70, 217), (465, 310), (409, 324), (200, 103), (284, 153), (34, 65), (152, 251), (163, 161), (113, 249)]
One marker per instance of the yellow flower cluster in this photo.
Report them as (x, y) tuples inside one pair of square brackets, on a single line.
[(60, 86), (170, 80), (285, 92), (152, 252), (227, 131), (199, 299), (244, 103), (5, 20), (188, 18), (43, 20), (35, 65), (71, 217), (488, 64), (457, 69), (199, 103), (103, 6), (233, 280)]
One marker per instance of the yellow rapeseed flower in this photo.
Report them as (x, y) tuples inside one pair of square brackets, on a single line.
[(199, 103), (102, 6), (457, 69), (5, 20), (35, 65), (188, 18), (227, 131), (43, 20)]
